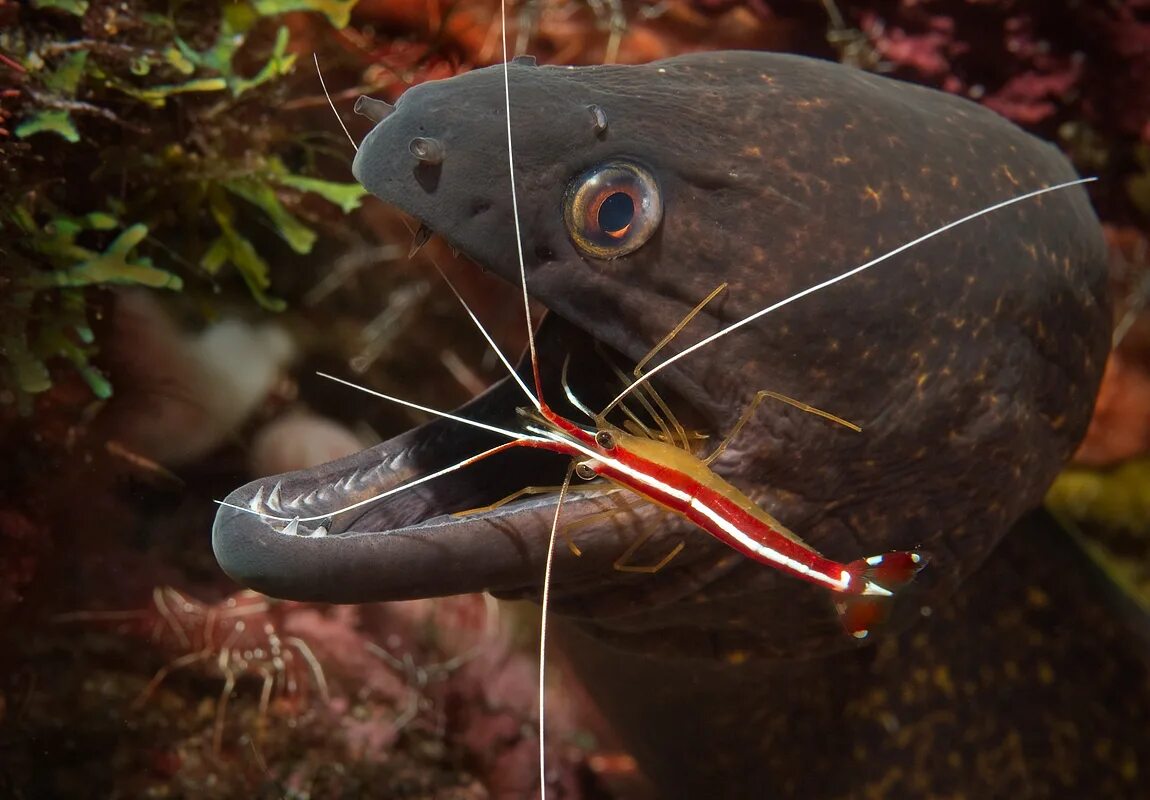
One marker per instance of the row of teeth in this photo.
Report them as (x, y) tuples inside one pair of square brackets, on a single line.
[(275, 503), (305, 505), (293, 529)]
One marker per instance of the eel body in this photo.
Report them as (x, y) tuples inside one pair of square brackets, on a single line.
[(970, 361)]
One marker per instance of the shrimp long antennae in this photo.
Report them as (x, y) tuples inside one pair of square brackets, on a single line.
[(486, 335), (515, 213), (831, 281), (403, 487), (445, 414), (517, 439), (537, 400), (544, 602), (479, 325), (482, 330), (327, 94)]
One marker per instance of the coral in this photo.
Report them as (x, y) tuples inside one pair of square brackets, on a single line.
[(422, 698)]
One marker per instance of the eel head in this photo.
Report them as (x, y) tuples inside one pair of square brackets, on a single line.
[(970, 362)]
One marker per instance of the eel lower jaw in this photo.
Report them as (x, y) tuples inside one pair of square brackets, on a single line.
[(289, 536)]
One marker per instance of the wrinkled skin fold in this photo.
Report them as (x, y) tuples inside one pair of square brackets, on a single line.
[(971, 362)]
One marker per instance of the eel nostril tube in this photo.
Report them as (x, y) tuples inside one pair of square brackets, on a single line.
[(373, 109)]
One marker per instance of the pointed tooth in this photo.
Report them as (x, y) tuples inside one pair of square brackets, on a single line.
[(257, 501), (318, 533), (292, 528), (421, 236), (274, 500)]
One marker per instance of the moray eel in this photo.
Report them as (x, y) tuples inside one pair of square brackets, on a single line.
[(971, 363)]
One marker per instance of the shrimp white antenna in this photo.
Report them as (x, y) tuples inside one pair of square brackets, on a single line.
[(830, 282), (486, 335), (537, 400), (445, 414), (393, 490), (544, 602), (516, 440), (515, 211), (327, 94)]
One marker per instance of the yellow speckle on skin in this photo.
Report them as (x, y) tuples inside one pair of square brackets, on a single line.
[(954, 759), (1129, 768), (1045, 673), (921, 379), (841, 160), (872, 194), (736, 657), (753, 152), (942, 680), (1037, 598)]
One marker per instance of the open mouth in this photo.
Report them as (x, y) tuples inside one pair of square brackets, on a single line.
[(326, 534)]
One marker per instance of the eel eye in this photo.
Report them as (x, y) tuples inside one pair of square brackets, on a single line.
[(585, 471), (605, 440), (612, 209)]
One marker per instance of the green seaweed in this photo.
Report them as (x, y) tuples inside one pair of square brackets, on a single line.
[(347, 196), (113, 187), (298, 236), (50, 120), (77, 7), (233, 247), (113, 265), (1109, 511), (338, 12)]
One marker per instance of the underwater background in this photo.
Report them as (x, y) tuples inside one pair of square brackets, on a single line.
[(183, 247)]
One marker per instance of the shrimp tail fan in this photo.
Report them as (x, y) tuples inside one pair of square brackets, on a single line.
[(874, 582)]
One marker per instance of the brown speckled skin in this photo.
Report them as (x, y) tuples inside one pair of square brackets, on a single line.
[(1030, 682), (971, 362)]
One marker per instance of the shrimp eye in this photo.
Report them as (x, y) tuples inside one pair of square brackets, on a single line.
[(605, 440), (612, 209), (584, 471)]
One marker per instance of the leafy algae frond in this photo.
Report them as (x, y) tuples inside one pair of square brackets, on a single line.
[(143, 146)]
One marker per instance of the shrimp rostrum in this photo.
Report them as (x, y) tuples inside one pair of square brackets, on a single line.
[(969, 359)]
